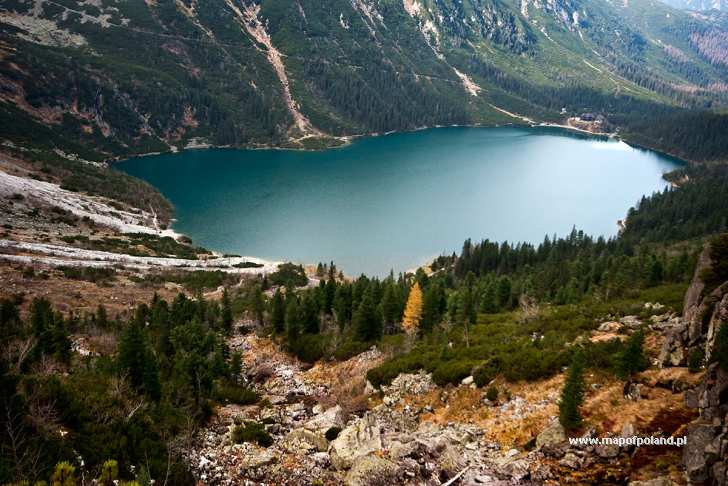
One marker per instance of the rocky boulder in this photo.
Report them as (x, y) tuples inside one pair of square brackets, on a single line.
[(360, 438), (302, 440), (552, 439), (609, 326), (370, 469), (321, 423), (631, 322)]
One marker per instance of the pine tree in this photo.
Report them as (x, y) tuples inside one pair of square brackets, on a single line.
[(236, 366), (504, 293), (431, 307), (257, 304), (366, 321), (137, 360), (150, 377), (489, 300), (329, 296), (102, 319), (227, 313), (310, 315), (632, 359), (278, 312), (656, 272), (343, 305), (466, 306), (390, 305), (572, 395), (292, 321), (413, 310)]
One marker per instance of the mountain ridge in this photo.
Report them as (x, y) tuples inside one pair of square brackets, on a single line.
[(104, 81)]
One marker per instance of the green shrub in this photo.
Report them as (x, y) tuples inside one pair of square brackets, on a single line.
[(239, 395), (388, 371), (64, 474), (486, 372), (251, 432), (349, 349), (309, 348), (248, 265), (89, 274), (492, 393), (451, 372), (289, 274)]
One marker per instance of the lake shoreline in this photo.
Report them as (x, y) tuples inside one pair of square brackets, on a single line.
[(347, 140), (213, 172)]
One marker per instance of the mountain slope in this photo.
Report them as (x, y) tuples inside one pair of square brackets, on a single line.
[(104, 79)]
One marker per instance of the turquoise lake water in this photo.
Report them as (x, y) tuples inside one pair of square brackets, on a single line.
[(394, 202)]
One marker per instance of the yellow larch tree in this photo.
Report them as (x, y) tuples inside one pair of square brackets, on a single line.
[(413, 310)]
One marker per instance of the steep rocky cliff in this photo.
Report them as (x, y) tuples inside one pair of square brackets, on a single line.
[(695, 340)]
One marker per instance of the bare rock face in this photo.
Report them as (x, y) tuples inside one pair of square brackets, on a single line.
[(699, 455), (358, 439), (694, 292)]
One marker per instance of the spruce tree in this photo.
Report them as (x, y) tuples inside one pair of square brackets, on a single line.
[(278, 312), (390, 305), (311, 322), (504, 293), (257, 304), (102, 319), (329, 296), (632, 359), (572, 395), (292, 321), (366, 321), (137, 360), (236, 366), (227, 313), (343, 305), (489, 300), (431, 312)]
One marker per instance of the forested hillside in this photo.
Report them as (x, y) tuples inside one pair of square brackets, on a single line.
[(109, 79)]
